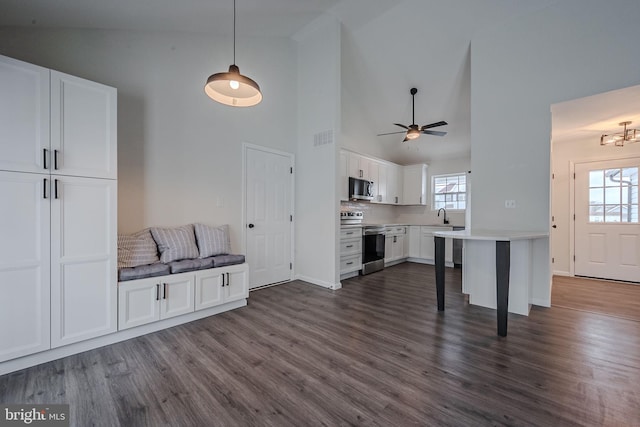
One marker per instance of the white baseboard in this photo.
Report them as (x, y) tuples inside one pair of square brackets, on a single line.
[(60, 352), (319, 282), (429, 261), (540, 302), (562, 273)]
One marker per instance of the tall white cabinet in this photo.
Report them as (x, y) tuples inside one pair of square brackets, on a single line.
[(58, 188)]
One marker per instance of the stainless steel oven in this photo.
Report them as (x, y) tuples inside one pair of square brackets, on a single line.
[(372, 249)]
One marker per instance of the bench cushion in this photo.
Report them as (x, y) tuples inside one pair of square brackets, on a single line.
[(143, 271), (190, 265), (230, 259)]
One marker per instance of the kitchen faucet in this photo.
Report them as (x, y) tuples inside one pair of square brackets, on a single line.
[(446, 221)]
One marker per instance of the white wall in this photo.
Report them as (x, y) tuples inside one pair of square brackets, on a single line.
[(179, 152), (518, 69), (317, 205)]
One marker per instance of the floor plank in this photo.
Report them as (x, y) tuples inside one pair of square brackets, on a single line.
[(375, 353)]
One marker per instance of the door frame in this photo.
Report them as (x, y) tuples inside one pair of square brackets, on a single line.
[(249, 146), (572, 202)]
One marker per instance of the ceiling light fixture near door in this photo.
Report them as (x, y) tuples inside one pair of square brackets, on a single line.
[(619, 139), (232, 88)]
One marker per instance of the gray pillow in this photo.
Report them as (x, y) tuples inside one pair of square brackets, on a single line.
[(212, 240), (175, 243), (136, 249)]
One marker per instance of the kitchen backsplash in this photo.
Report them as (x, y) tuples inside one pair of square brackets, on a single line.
[(390, 214)]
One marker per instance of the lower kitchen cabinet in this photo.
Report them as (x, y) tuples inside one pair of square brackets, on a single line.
[(422, 245), (221, 285), (394, 248), (148, 300), (350, 251)]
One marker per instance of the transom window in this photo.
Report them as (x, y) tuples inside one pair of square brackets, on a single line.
[(449, 191), (613, 195)]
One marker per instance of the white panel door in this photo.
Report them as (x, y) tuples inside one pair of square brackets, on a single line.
[(83, 127), (268, 210), (177, 295), (83, 259), (138, 303), (24, 116), (607, 231), (208, 288), (24, 264)]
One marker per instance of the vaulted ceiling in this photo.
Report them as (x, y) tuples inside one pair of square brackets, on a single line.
[(388, 47)]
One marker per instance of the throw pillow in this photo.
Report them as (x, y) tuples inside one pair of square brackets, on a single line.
[(212, 240), (137, 249), (175, 243)]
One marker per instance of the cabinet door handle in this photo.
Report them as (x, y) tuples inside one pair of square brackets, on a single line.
[(228, 281), (55, 159), (164, 291), (55, 188), (350, 262), (45, 154), (349, 246), (223, 280), (350, 232), (396, 199), (44, 188), (157, 291), (394, 239)]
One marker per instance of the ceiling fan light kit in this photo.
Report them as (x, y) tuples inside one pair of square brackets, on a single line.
[(620, 138), (232, 88), (414, 131)]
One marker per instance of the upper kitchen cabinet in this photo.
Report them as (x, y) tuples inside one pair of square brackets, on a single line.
[(83, 127), (24, 116), (394, 184), (56, 124), (361, 167), (415, 185)]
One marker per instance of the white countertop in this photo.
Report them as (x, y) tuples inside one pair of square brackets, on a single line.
[(495, 235)]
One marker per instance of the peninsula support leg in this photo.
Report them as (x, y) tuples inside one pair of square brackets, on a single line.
[(503, 263), (439, 255)]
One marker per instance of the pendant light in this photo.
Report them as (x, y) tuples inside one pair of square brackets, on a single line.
[(232, 88)]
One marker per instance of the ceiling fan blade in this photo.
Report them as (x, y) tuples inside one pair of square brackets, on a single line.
[(391, 133), (434, 132), (402, 126), (434, 125)]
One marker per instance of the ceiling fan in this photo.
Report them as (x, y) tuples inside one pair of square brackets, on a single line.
[(413, 131)]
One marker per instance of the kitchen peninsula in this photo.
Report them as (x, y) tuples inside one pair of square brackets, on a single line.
[(487, 286)]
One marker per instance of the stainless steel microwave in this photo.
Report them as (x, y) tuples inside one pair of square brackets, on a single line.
[(360, 189)]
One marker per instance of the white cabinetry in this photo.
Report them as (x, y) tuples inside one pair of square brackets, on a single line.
[(394, 185), (360, 166), (422, 245), (350, 251), (24, 265), (58, 248), (221, 285), (156, 298), (394, 248), (83, 258), (415, 185), (148, 300), (83, 127)]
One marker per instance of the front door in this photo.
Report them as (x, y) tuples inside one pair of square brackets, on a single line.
[(607, 231), (268, 215)]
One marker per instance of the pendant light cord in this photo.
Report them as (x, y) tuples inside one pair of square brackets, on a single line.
[(234, 31)]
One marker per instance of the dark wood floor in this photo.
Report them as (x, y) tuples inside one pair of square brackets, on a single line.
[(375, 353), (597, 296)]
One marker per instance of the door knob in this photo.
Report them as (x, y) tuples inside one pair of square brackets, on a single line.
[(251, 225), (554, 226)]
